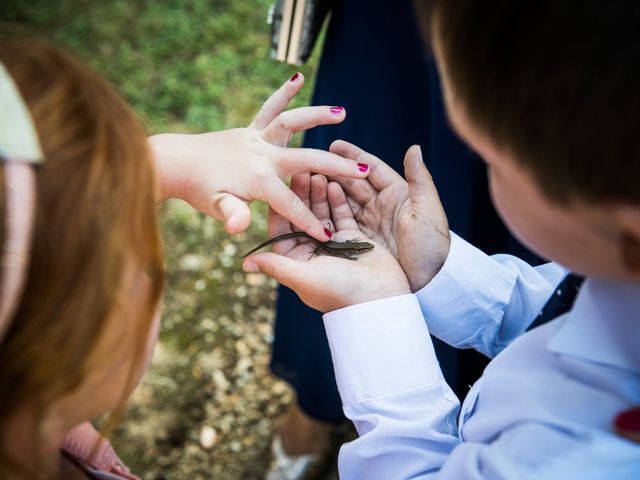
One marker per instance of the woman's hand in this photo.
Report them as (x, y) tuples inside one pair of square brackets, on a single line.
[(404, 216), (323, 282), (219, 173)]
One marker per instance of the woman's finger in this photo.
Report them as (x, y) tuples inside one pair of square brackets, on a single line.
[(340, 209), (234, 212), (290, 206), (277, 102), (290, 161), (287, 123), (278, 225)]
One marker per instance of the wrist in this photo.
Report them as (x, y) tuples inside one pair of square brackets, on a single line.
[(424, 270), (385, 292), (368, 305), (166, 152)]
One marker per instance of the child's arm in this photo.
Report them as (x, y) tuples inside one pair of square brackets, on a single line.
[(387, 373), (470, 299), (485, 302), (393, 391), (220, 173)]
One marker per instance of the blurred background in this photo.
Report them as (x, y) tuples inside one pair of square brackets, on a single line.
[(207, 406)]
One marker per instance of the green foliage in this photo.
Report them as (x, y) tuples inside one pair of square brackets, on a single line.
[(193, 65)]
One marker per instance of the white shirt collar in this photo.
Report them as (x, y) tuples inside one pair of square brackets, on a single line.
[(603, 326)]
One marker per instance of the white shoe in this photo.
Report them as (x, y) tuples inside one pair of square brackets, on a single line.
[(286, 467)]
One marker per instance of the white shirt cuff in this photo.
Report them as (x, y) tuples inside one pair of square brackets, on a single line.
[(468, 294), (381, 348)]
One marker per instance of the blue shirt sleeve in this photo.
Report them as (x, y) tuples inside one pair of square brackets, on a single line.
[(520, 420), (485, 302)]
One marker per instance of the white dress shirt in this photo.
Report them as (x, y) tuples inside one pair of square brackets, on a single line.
[(544, 407)]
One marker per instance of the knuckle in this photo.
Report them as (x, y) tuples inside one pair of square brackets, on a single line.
[(262, 178), (282, 122)]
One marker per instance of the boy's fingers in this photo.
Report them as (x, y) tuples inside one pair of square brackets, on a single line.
[(360, 190), (422, 190), (348, 150), (301, 186), (235, 213), (285, 270), (291, 161), (381, 175), (303, 118), (340, 209), (319, 202), (277, 102), (356, 207)]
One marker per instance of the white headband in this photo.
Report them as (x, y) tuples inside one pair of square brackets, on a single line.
[(19, 150)]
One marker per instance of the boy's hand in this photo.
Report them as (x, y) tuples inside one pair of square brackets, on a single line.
[(219, 173), (404, 216), (323, 282)]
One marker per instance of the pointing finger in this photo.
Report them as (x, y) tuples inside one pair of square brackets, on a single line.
[(290, 161)]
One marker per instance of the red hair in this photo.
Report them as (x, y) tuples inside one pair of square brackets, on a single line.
[(95, 216)]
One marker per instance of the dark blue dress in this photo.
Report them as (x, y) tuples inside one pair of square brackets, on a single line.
[(374, 64)]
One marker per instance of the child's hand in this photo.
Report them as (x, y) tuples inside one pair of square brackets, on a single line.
[(323, 282), (219, 173), (405, 216)]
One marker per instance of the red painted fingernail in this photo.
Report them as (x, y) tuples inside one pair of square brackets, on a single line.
[(328, 233), (627, 424), (336, 110), (294, 77), (363, 167)]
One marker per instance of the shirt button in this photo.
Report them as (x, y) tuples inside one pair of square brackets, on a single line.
[(627, 424)]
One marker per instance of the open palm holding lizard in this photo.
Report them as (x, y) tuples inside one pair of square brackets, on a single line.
[(327, 282)]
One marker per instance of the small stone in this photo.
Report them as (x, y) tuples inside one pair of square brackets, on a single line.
[(230, 250), (244, 364), (220, 380), (208, 437), (192, 263), (279, 388), (242, 348)]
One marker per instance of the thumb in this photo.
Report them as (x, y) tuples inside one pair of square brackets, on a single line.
[(422, 190), (234, 212), (292, 273)]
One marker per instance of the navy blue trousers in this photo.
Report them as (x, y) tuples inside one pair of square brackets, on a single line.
[(375, 65)]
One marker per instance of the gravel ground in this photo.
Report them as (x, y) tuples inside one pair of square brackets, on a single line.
[(207, 406)]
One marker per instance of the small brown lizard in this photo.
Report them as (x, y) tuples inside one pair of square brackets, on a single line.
[(349, 249)]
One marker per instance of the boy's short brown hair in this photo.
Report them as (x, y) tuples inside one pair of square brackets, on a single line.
[(554, 83)]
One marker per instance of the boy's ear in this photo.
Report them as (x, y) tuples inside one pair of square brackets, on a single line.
[(628, 220)]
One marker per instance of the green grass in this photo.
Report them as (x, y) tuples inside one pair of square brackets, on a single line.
[(192, 65)]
